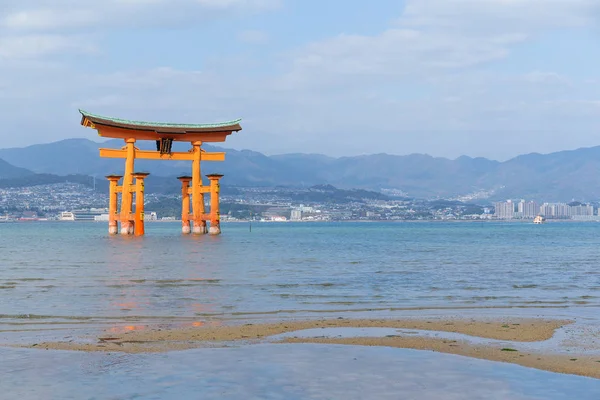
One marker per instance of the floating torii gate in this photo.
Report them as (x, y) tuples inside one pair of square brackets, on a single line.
[(164, 134)]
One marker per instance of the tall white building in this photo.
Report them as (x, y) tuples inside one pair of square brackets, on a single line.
[(505, 210), (555, 210), (561, 210), (546, 210), (296, 215), (582, 210), (528, 209)]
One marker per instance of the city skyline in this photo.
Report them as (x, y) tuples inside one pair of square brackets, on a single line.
[(530, 209)]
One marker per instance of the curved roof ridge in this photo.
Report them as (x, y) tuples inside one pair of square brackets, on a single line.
[(159, 124)]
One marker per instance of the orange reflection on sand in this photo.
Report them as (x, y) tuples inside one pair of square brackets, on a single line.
[(127, 328), (198, 324)]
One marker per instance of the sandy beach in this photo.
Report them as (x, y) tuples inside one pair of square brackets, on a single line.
[(514, 330)]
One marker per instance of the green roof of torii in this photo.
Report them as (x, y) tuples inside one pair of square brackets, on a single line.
[(118, 121)]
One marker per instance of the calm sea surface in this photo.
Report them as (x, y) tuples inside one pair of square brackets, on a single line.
[(64, 280), (69, 271)]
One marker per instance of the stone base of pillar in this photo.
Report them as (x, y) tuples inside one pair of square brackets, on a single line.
[(186, 229), (214, 230), (127, 228), (124, 228), (199, 229), (113, 229)]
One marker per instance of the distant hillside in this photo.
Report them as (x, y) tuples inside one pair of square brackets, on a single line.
[(558, 176), (9, 171), (48, 179)]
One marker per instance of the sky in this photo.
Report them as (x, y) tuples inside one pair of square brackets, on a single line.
[(483, 78)]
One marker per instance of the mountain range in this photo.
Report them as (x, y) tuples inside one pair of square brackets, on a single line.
[(559, 176)]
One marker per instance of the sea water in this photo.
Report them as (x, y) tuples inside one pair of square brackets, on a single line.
[(57, 271), (286, 372), (60, 279)]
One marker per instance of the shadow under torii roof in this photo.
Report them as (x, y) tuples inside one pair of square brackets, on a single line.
[(123, 129)]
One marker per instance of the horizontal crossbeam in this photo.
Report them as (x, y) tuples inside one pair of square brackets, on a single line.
[(155, 155), (202, 189)]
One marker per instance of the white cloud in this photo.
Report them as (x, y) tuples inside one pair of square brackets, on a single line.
[(34, 46), (48, 19), (541, 77), (253, 36), (30, 15), (415, 86), (498, 15), (433, 35)]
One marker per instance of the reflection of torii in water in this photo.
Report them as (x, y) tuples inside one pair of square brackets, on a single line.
[(133, 183)]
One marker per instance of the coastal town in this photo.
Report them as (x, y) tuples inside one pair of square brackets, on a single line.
[(78, 202)]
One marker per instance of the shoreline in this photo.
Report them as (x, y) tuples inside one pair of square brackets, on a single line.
[(503, 339), (504, 221), (418, 221)]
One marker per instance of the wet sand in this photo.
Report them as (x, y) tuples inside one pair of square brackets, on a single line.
[(156, 339), (507, 329)]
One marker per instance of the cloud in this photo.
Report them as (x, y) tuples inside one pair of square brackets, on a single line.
[(541, 77), (425, 83), (494, 16), (48, 19), (253, 37), (434, 35), (30, 15), (34, 46)]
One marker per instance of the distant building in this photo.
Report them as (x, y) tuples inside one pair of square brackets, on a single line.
[(66, 216), (29, 216), (546, 210), (296, 215), (273, 213), (582, 210), (528, 209), (88, 215), (555, 210), (561, 210), (505, 210)]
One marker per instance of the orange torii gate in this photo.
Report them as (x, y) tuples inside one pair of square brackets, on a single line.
[(192, 189)]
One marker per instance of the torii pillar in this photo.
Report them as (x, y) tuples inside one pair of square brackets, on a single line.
[(127, 219), (113, 225), (139, 203), (215, 216), (185, 204), (197, 191)]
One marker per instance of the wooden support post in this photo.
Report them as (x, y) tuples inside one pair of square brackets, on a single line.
[(185, 204), (154, 155), (197, 195), (215, 217), (127, 195), (113, 226), (139, 203)]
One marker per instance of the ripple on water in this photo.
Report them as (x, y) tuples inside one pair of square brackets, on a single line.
[(282, 267), (527, 286)]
